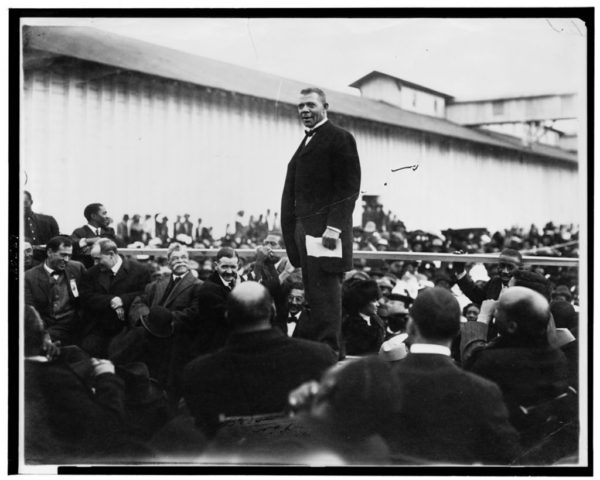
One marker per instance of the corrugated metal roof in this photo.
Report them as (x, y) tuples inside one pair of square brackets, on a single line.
[(127, 53), (375, 73)]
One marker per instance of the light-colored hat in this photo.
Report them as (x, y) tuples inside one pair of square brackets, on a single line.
[(395, 348)]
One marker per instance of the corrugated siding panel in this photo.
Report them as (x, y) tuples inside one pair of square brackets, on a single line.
[(145, 145)]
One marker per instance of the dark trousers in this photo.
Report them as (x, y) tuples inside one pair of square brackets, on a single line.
[(323, 292)]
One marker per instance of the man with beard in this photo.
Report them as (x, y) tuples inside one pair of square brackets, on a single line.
[(86, 236)]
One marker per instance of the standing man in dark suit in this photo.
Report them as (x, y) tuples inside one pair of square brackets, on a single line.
[(444, 414), (53, 289), (39, 228), (321, 188), (97, 227), (107, 291)]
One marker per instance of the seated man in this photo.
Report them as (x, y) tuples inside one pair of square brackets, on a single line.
[(52, 288), (444, 414), (258, 367), (107, 291), (96, 228), (293, 317), (71, 415), (527, 369), (213, 293), (179, 293)]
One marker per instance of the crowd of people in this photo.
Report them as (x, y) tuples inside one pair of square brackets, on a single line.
[(210, 359)]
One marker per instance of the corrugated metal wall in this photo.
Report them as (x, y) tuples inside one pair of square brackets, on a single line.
[(146, 145)]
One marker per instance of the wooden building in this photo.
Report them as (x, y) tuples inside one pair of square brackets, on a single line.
[(146, 129)]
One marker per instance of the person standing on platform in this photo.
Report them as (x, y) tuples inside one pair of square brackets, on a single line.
[(39, 228), (320, 190)]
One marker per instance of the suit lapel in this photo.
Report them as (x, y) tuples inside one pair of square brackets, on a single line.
[(44, 281), (184, 283), (122, 273), (104, 279), (90, 231), (316, 139), (161, 286)]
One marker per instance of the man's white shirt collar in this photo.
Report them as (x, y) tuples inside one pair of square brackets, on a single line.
[(116, 266), (228, 285), (429, 348), (313, 128), (94, 229), (366, 318), (48, 269)]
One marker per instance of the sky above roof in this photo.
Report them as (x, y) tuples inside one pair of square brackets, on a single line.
[(467, 58)]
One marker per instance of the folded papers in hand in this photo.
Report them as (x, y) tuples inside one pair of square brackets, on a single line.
[(315, 248)]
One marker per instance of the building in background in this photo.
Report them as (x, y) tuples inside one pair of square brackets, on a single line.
[(144, 129)]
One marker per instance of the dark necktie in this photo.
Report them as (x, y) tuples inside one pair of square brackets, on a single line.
[(170, 287), (57, 274), (310, 133), (292, 319)]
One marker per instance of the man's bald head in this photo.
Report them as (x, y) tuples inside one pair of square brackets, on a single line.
[(523, 313), (249, 304)]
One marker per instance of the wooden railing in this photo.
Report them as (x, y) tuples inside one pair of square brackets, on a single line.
[(414, 256)]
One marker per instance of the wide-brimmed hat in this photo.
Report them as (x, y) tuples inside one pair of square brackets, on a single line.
[(159, 322)]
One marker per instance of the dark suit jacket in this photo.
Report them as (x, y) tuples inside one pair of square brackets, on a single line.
[(214, 328), (527, 375), (251, 375), (45, 228), (360, 338), (37, 294), (61, 407), (98, 288), (490, 291), (445, 414), (82, 254), (321, 187), (182, 301)]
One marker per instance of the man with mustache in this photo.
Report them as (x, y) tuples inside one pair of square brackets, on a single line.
[(212, 295), (320, 190), (52, 288)]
